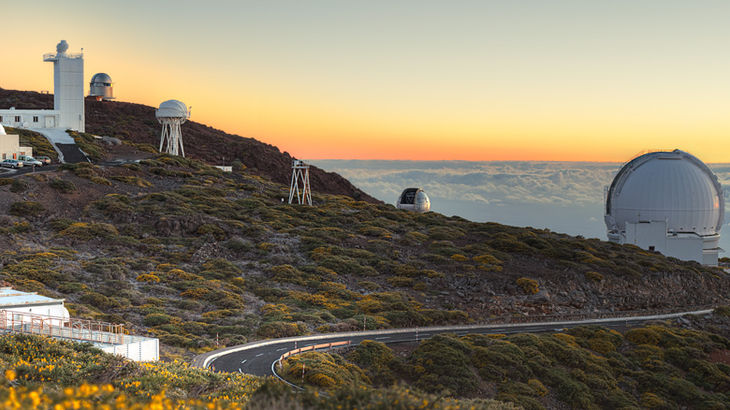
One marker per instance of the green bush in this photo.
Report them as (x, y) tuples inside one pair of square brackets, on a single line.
[(26, 209), (62, 185)]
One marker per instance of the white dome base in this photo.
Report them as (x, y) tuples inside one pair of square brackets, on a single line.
[(653, 236)]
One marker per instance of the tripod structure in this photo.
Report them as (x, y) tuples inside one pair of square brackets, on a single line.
[(299, 187)]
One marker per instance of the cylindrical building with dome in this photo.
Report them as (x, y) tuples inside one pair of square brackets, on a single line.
[(669, 202)]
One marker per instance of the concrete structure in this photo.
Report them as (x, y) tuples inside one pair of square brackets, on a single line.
[(68, 96), (414, 199), (30, 313), (101, 87), (299, 187), (669, 202), (10, 146), (172, 114), (12, 300)]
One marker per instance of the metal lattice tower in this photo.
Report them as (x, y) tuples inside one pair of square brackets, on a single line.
[(172, 114), (300, 183)]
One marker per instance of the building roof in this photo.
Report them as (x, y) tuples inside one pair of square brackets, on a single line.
[(13, 297)]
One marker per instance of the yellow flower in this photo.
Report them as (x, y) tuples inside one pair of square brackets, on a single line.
[(10, 374)]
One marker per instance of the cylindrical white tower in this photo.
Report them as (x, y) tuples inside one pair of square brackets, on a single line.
[(68, 87)]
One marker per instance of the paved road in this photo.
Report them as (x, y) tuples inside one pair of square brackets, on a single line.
[(256, 358)]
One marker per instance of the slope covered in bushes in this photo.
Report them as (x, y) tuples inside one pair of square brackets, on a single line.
[(654, 366), (201, 258)]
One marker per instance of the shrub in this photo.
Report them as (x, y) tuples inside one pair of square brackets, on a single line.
[(148, 277), (281, 329), (528, 285), (88, 231), (18, 185), (594, 276), (156, 319), (26, 208), (62, 185), (643, 336)]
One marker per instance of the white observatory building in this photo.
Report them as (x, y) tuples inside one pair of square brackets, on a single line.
[(101, 87), (68, 96), (172, 114), (414, 199), (669, 202)]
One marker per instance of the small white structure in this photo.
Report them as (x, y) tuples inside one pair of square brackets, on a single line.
[(10, 146), (12, 300), (414, 199), (30, 313), (299, 187), (68, 96), (670, 202), (172, 114), (101, 87)]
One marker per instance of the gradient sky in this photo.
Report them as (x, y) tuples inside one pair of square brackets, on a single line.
[(471, 80)]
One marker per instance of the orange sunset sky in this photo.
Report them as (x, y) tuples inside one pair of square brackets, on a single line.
[(470, 80)]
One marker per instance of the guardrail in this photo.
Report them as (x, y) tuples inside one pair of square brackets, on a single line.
[(61, 327), (321, 346), (205, 360)]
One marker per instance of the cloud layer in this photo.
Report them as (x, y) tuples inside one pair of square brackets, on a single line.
[(563, 196)]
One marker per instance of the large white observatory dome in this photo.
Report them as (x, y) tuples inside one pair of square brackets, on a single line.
[(172, 109), (414, 199), (675, 187)]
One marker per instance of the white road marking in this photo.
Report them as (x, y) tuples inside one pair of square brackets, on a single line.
[(239, 370), (244, 361), (381, 338), (283, 348), (260, 354)]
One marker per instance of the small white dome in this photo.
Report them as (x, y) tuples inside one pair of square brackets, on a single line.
[(675, 187), (172, 109), (2, 130), (414, 199)]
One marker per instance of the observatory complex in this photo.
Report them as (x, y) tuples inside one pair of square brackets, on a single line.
[(68, 96), (670, 202), (414, 199), (172, 114)]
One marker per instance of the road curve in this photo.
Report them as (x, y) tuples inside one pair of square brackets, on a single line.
[(256, 357)]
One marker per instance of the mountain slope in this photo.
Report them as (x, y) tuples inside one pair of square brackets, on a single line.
[(136, 123)]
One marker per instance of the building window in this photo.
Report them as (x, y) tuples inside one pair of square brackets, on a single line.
[(17, 118), (1, 118), (35, 118), (651, 248)]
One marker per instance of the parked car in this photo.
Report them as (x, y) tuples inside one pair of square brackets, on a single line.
[(28, 161), (44, 160), (11, 163)]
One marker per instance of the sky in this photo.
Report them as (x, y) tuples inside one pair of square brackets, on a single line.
[(562, 80)]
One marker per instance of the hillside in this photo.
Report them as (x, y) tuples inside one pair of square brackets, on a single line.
[(197, 257), (675, 364), (136, 123)]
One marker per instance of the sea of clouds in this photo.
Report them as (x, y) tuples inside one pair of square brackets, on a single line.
[(562, 196)]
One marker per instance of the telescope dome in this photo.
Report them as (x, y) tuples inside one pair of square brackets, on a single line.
[(172, 109), (674, 187), (414, 199)]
